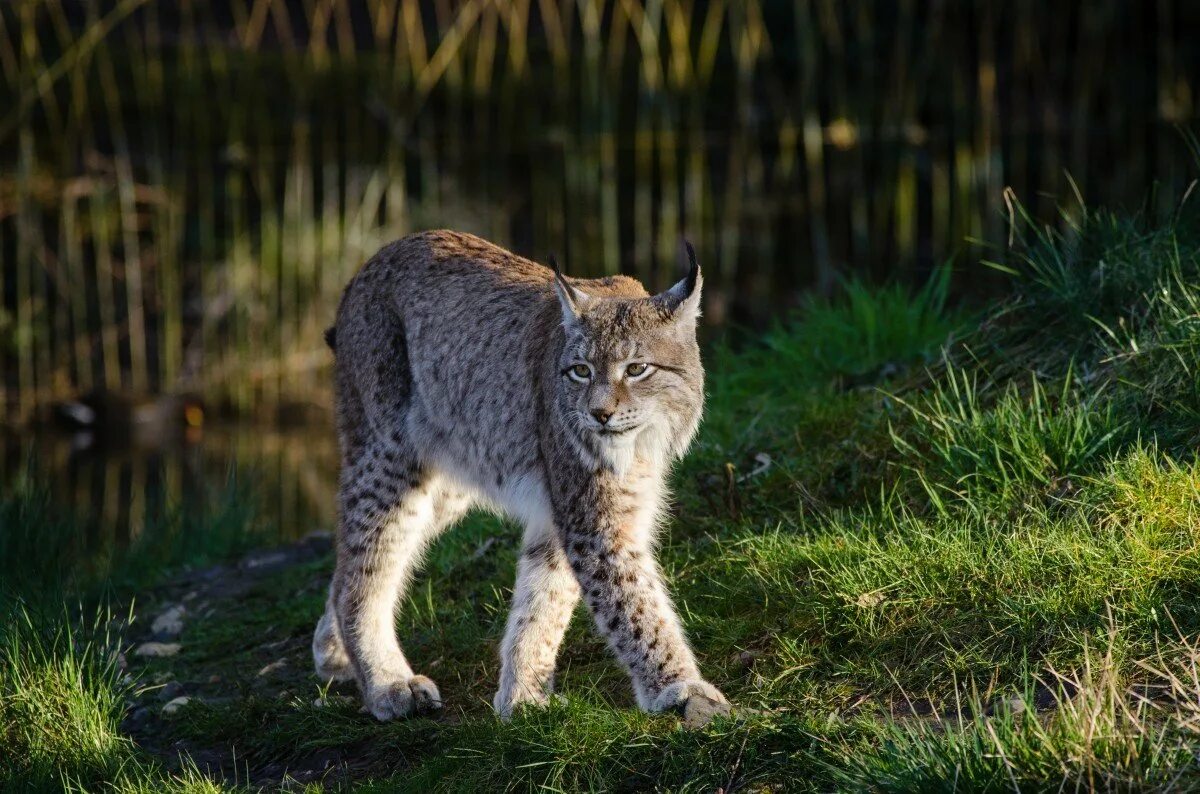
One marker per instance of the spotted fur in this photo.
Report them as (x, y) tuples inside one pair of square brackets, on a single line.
[(459, 382)]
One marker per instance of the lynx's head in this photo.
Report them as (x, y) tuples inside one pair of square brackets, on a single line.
[(630, 384)]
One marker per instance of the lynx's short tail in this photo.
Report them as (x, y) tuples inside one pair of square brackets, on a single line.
[(331, 338)]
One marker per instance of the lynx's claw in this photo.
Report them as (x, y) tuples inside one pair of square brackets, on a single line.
[(696, 701), (417, 695)]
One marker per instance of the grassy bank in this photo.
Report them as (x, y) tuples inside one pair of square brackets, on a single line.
[(919, 547)]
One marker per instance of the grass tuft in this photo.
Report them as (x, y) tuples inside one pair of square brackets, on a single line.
[(61, 699), (971, 443)]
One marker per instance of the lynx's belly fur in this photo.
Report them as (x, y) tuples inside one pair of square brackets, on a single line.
[(466, 375)]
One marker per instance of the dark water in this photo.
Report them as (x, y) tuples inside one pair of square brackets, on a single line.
[(181, 205), (277, 483)]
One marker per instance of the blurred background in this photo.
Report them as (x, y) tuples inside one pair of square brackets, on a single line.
[(186, 186)]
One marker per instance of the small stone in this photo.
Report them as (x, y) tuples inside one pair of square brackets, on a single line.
[(268, 559), (214, 679), (137, 716), (170, 622), (176, 704), (157, 650), (332, 700), (870, 600), (211, 574), (272, 668), (170, 690), (1016, 705), (272, 771), (747, 658)]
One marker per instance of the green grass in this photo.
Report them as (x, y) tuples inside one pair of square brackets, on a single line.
[(60, 701), (62, 696), (920, 549)]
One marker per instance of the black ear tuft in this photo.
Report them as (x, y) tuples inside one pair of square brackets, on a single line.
[(570, 299), (572, 295), (685, 293), (693, 266), (331, 337), (560, 278)]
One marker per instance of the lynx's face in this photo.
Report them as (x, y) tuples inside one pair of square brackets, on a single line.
[(630, 382)]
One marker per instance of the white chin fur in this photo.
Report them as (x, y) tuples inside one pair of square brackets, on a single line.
[(650, 444), (617, 453)]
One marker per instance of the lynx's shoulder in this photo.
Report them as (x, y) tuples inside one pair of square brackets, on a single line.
[(612, 287), (448, 255)]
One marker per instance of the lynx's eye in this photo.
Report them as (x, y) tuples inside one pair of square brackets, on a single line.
[(580, 372), (637, 371)]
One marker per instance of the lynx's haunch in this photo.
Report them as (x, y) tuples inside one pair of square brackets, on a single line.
[(466, 375)]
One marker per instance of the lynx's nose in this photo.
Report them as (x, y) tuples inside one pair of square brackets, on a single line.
[(602, 415)]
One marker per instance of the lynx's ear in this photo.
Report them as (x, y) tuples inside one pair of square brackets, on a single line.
[(682, 300), (572, 301)]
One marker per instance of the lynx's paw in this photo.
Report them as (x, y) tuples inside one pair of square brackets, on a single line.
[(329, 654), (416, 695), (696, 701), (332, 668), (509, 699)]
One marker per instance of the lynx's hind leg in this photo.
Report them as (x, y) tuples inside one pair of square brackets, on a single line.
[(330, 658), (391, 507)]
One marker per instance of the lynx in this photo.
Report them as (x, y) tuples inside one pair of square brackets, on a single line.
[(469, 376)]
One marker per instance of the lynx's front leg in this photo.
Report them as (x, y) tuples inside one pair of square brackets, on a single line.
[(543, 601), (609, 550)]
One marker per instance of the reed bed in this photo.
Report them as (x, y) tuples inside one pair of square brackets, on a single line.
[(186, 186)]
